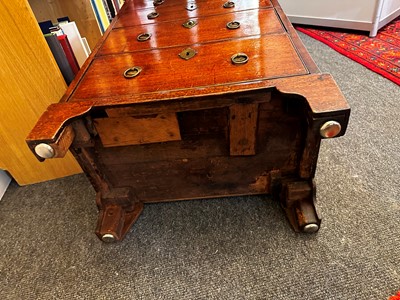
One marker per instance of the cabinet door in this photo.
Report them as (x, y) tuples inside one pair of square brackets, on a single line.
[(355, 14), (30, 81), (355, 10)]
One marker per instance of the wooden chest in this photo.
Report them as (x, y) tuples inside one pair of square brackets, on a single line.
[(196, 99)]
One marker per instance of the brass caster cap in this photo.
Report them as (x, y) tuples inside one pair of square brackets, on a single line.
[(44, 151), (108, 238), (310, 228), (330, 129)]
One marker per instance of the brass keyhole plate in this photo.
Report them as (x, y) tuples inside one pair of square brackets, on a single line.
[(152, 15), (189, 24), (158, 2), (191, 6), (239, 58), (187, 53), (132, 72), (229, 4), (233, 25)]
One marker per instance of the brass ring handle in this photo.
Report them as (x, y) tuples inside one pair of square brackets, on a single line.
[(239, 58), (152, 15), (143, 37), (229, 4), (158, 2), (233, 25), (132, 72)]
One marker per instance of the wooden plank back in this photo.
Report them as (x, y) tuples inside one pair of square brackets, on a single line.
[(243, 122), (122, 131)]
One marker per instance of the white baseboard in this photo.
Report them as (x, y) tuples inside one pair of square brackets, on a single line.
[(337, 23), (4, 182)]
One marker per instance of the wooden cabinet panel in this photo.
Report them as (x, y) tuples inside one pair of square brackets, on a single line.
[(30, 81)]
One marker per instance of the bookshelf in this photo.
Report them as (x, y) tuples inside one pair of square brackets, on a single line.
[(79, 11), (30, 81)]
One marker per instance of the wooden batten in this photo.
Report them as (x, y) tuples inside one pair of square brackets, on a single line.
[(242, 129), (137, 130), (65, 140)]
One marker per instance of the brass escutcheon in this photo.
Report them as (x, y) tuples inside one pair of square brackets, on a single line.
[(189, 24), (132, 72), (188, 53), (143, 37), (191, 6), (239, 58), (152, 15), (233, 25), (229, 4), (158, 2)]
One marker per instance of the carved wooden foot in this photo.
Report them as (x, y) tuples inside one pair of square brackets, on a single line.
[(297, 199), (117, 213)]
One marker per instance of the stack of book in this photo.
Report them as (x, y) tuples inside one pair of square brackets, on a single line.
[(69, 49), (105, 11)]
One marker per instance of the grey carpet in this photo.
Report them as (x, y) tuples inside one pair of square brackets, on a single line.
[(239, 248)]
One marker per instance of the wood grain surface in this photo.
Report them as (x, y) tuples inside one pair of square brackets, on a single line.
[(133, 16), (243, 120), (310, 87), (122, 131), (213, 28), (30, 81), (271, 56)]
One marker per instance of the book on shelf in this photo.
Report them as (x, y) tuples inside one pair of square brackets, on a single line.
[(116, 6), (60, 57), (86, 44), (63, 20), (105, 11), (100, 14), (69, 49), (75, 40), (63, 39), (110, 9), (45, 26)]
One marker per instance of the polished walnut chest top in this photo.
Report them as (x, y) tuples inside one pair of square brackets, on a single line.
[(153, 35), (195, 99)]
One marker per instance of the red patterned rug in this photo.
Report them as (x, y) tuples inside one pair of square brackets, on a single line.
[(380, 54), (397, 297)]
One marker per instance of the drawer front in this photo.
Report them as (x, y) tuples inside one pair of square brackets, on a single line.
[(270, 56), (168, 34), (143, 4), (132, 16)]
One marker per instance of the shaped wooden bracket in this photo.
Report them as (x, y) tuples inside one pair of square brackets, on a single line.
[(297, 199), (118, 212)]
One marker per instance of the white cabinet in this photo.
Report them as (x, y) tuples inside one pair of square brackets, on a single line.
[(366, 15), (4, 182)]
